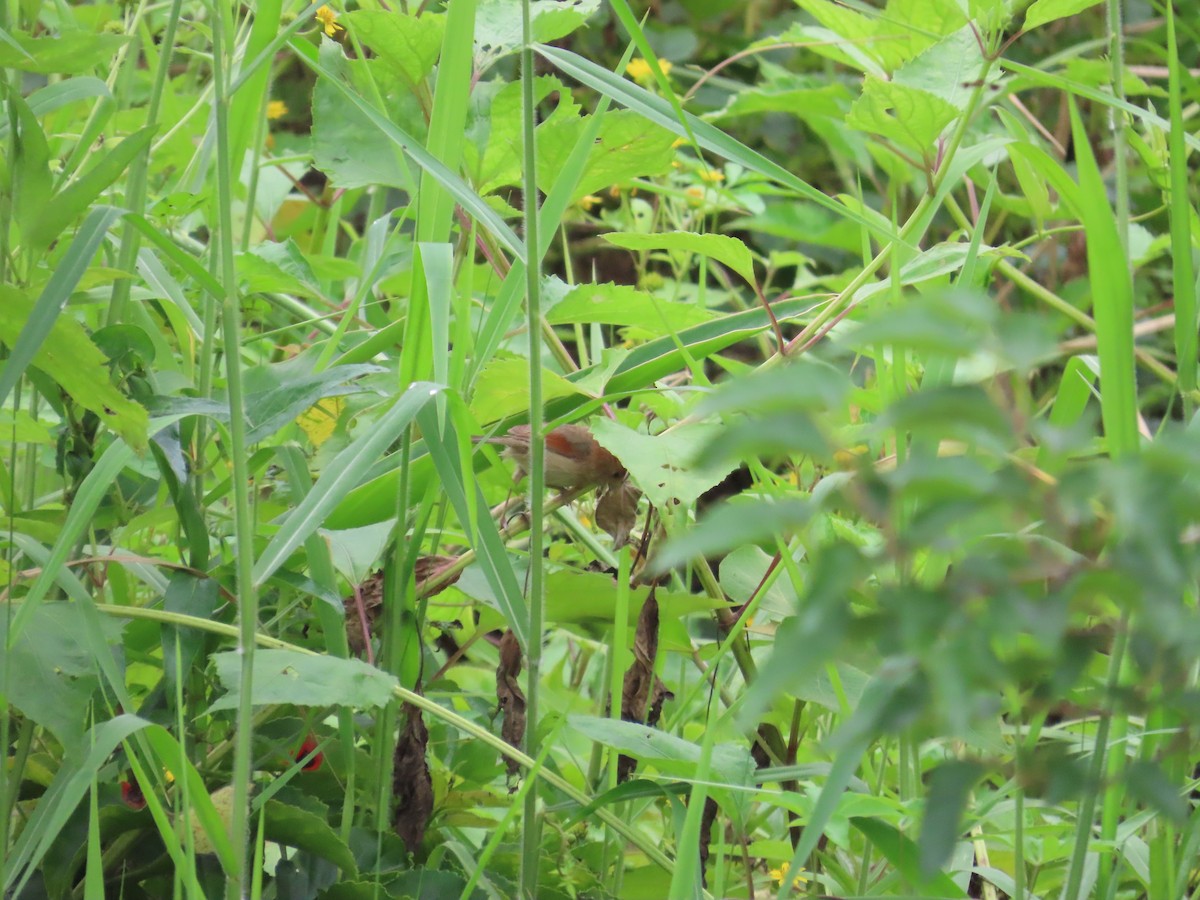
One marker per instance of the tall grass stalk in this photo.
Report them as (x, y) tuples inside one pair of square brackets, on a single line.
[(243, 538), (530, 836)]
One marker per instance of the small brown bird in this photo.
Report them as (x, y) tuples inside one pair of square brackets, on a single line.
[(573, 457)]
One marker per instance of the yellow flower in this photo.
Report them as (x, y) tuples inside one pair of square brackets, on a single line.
[(777, 875), (712, 176), (639, 70), (326, 16), (678, 142), (589, 201), (276, 109)]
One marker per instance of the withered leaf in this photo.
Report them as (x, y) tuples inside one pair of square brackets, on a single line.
[(361, 624), (641, 685), (509, 695), (706, 826), (412, 785), (616, 512)]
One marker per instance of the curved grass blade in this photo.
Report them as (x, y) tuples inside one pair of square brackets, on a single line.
[(339, 477), (707, 136), (55, 295)]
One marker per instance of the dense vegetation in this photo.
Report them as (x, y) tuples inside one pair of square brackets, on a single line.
[(874, 572)]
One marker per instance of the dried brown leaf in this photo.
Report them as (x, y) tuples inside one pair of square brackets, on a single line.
[(412, 785), (359, 624), (641, 684), (509, 695)]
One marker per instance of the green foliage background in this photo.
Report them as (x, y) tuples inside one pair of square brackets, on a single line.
[(888, 309)]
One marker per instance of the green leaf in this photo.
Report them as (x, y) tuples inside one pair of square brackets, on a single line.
[(908, 117), (347, 146), (627, 147), (664, 466), (57, 675), (502, 389), (408, 45), (61, 799), (903, 854), (658, 111), (619, 304), (731, 763), (74, 53), (950, 785), (296, 827), (733, 525), (278, 266), (31, 181), (343, 473), (575, 597), (724, 249), (1112, 290), (1148, 783), (303, 679), (498, 24), (68, 356), (327, 65), (73, 200), (1044, 11)]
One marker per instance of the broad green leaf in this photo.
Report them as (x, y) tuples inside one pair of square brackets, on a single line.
[(406, 44), (73, 53), (902, 31), (627, 147), (295, 827), (303, 679), (502, 389), (911, 118), (498, 24), (573, 596), (726, 250), (619, 304), (57, 676), (347, 146), (664, 466), (949, 69), (733, 525), (326, 64), (731, 763), (807, 96), (355, 552), (69, 357), (1044, 11), (949, 788), (22, 428), (31, 181), (277, 266), (902, 853), (276, 394), (499, 162)]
